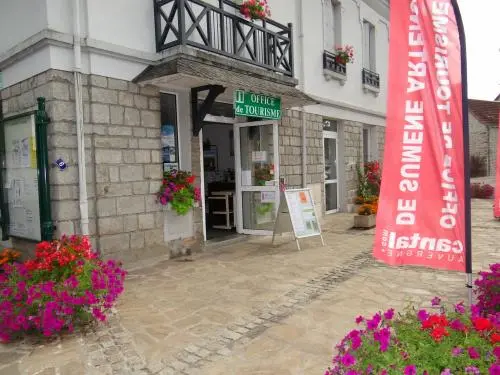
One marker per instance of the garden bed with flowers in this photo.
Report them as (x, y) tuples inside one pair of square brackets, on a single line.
[(65, 286), (427, 342)]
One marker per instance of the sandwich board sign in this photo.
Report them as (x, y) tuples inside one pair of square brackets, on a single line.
[(297, 214)]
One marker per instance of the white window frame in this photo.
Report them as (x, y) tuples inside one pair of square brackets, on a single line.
[(327, 134), (333, 9), (369, 46)]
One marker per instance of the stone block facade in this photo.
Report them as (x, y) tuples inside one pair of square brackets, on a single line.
[(493, 150), (479, 139), (122, 155), (290, 143)]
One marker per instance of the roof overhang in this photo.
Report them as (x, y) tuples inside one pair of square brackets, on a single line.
[(186, 68)]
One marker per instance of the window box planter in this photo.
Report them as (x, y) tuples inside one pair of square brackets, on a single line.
[(364, 221)]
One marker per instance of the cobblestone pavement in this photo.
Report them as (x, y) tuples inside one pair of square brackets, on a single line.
[(248, 308)]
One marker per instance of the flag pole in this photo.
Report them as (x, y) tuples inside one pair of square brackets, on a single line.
[(465, 116)]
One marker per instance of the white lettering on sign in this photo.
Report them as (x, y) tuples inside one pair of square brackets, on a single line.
[(262, 99), (413, 135)]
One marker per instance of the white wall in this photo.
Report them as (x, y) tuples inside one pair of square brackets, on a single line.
[(351, 93), (20, 19), (129, 23)]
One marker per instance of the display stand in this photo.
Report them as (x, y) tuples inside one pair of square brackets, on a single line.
[(296, 214)]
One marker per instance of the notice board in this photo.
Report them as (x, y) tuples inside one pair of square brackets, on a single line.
[(302, 213), (21, 178)]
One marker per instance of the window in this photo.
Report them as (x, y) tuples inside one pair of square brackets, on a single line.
[(169, 132), (332, 24), (330, 125), (369, 46)]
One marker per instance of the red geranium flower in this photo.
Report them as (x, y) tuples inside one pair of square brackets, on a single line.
[(482, 324)]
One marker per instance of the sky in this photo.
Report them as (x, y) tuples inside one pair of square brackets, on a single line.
[(482, 33)]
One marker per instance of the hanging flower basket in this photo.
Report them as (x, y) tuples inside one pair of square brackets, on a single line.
[(344, 54), (178, 192), (255, 9)]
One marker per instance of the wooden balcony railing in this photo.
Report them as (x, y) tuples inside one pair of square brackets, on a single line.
[(222, 30)]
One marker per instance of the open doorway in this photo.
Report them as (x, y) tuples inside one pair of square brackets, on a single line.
[(219, 179)]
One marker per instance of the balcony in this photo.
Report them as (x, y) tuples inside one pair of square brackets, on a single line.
[(332, 69), (371, 81), (222, 30)]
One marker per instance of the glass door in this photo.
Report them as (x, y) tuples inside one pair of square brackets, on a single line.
[(257, 176), (331, 173)]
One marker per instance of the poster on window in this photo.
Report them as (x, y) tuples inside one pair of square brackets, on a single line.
[(168, 143)]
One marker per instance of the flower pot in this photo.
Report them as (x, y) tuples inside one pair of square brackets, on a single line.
[(364, 221), (353, 208)]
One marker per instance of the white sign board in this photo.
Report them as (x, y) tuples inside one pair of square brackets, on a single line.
[(300, 213), (21, 178)]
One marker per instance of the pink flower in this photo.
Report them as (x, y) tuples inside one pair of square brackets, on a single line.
[(494, 369), (374, 322), (472, 370), (359, 319), (389, 314), (473, 353), (460, 308), (411, 370), (422, 315), (348, 360), (455, 352), (436, 301)]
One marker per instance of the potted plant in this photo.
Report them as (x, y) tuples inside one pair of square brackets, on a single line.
[(365, 218), (344, 54), (255, 9), (264, 173), (178, 192)]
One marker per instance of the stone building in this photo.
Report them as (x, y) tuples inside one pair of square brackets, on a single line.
[(483, 130), (112, 84)]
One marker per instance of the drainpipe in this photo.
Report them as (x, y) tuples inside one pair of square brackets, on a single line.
[(302, 87), (82, 175)]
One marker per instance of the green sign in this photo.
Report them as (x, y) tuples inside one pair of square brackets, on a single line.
[(256, 105)]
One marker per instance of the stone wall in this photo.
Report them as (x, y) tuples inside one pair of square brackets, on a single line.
[(290, 144), (380, 133), (122, 140), (290, 141), (478, 140), (493, 142), (353, 155), (124, 130)]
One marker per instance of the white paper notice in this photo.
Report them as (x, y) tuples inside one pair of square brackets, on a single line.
[(246, 178), (259, 156), (267, 197), (18, 190)]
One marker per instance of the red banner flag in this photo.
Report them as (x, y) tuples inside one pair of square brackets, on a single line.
[(422, 207), (496, 205)]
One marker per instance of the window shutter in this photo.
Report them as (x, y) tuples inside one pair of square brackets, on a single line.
[(328, 26)]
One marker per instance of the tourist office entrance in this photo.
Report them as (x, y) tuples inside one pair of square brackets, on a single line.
[(241, 168)]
